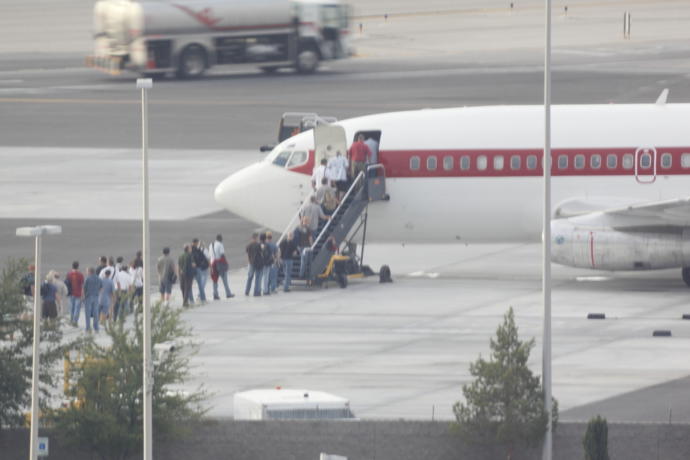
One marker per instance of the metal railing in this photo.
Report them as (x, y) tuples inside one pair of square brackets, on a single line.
[(359, 177), (291, 225)]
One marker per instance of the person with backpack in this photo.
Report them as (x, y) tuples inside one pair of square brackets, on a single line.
[(255, 270), (201, 265), (75, 283)]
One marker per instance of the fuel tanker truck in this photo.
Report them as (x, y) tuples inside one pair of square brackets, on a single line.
[(186, 37)]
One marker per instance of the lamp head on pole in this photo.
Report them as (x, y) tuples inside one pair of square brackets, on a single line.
[(39, 230), (144, 83)]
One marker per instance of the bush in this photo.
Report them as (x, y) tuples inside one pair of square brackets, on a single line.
[(596, 440), (504, 405)]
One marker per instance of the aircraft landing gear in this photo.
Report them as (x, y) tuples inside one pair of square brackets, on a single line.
[(685, 274)]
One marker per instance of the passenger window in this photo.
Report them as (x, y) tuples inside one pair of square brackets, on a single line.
[(498, 162), (431, 163), (645, 161), (563, 162), (515, 162), (414, 163), (628, 161), (595, 161), (465, 163), (685, 160), (298, 158), (666, 160), (282, 158), (611, 161), (532, 162), (448, 163), (579, 162), (482, 162)]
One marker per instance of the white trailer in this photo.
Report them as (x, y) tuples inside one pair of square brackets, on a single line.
[(189, 36), (283, 404)]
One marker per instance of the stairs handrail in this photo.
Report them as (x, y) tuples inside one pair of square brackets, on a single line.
[(359, 177), (294, 219)]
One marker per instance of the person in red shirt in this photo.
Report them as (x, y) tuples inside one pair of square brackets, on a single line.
[(360, 154), (75, 284)]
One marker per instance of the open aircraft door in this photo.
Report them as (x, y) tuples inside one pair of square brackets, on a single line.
[(328, 140)]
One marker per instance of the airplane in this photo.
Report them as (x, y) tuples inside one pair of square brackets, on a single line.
[(620, 180)]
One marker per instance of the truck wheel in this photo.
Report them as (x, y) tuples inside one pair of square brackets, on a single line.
[(192, 62), (307, 61)]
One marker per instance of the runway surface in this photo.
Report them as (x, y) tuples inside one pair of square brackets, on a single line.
[(69, 139)]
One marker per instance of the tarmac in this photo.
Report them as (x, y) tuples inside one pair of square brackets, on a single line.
[(403, 350)]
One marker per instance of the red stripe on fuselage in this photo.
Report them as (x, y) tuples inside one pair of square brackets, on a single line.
[(397, 163)]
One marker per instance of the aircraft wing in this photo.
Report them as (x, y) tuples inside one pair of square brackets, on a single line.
[(634, 216)]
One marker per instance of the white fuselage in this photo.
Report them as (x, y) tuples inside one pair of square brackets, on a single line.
[(497, 203)]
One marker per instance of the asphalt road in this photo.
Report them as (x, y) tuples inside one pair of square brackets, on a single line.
[(75, 107)]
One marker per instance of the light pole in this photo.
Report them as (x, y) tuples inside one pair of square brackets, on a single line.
[(546, 235), (36, 232), (145, 84)]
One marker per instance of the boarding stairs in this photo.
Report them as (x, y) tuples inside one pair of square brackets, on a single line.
[(346, 221)]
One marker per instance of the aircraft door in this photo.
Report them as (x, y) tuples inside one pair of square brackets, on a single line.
[(645, 165), (329, 139)]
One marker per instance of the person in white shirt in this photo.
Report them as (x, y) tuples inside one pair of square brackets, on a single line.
[(374, 147), (111, 267), (336, 171), (219, 267), (136, 272), (318, 174), (123, 282)]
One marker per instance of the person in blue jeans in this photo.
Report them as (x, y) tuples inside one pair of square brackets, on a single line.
[(254, 256), (220, 264), (92, 288), (75, 283), (105, 299)]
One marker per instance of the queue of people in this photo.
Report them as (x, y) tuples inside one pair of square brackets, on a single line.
[(106, 292)]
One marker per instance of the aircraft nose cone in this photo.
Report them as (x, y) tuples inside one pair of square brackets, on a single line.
[(237, 191)]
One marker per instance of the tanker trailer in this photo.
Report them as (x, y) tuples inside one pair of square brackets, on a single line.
[(186, 37)]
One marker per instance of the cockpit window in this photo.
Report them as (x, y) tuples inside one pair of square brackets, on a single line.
[(282, 158), (298, 158)]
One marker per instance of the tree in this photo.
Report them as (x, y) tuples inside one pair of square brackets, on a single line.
[(106, 415), (596, 440), (504, 404), (16, 340)]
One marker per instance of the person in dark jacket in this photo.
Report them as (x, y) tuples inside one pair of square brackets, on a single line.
[(49, 296), (288, 251), (186, 269), (200, 263), (255, 259)]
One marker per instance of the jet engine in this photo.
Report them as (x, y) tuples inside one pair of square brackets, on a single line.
[(610, 249)]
